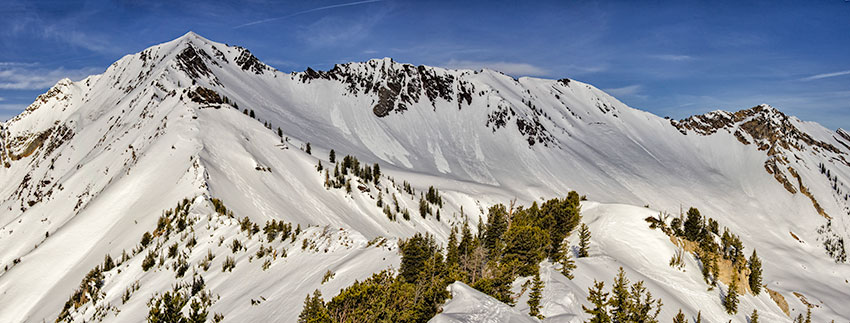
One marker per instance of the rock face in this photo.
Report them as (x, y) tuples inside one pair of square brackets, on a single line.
[(773, 132), (397, 85)]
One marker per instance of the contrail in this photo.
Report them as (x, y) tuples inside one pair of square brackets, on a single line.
[(307, 11)]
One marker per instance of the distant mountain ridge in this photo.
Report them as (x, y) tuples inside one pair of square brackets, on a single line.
[(90, 166)]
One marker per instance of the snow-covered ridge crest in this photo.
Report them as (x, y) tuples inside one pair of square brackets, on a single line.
[(193, 117)]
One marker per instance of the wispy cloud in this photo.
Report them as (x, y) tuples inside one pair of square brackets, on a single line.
[(626, 90), (340, 31), (262, 21), (633, 91), (13, 64), (6, 107), (88, 41), (9, 111), (510, 68), (672, 58), (826, 75), (28, 78)]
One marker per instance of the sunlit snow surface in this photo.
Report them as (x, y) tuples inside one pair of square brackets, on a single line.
[(139, 146)]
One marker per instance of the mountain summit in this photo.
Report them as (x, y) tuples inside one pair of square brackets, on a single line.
[(192, 168)]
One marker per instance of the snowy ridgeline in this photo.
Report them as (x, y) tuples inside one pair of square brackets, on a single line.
[(91, 166)]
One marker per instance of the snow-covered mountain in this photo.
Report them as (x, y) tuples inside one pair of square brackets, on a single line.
[(93, 165)]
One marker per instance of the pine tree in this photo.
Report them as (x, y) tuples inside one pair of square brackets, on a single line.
[(755, 273), (584, 240), (754, 318), (251, 113), (465, 246), (198, 313), (680, 318), (497, 224), (567, 262), (699, 317), (730, 302), (693, 225), (643, 305), (279, 132), (332, 156), (308, 150), (314, 310), (108, 263), (621, 302), (599, 298), (452, 257), (534, 296)]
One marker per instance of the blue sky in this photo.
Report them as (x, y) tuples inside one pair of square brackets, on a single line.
[(674, 58)]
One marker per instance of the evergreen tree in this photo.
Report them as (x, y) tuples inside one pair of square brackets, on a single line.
[(167, 308), (584, 240), (466, 241), (643, 305), (755, 273), (108, 263), (710, 269), (251, 113), (693, 225), (308, 150), (676, 226), (567, 262), (699, 317), (559, 217), (527, 244), (314, 310), (198, 313), (480, 235), (534, 296), (452, 257), (599, 298), (279, 132), (497, 224), (730, 302), (754, 318), (332, 156), (415, 251), (376, 173), (424, 209), (621, 302), (680, 318)]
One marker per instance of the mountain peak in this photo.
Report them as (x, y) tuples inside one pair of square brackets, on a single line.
[(191, 36)]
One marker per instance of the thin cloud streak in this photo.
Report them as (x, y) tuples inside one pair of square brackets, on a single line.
[(306, 11), (674, 58), (36, 79), (510, 68), (626, 90), (826, 75)]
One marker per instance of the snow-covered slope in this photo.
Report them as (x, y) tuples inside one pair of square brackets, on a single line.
[(91, 165)]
